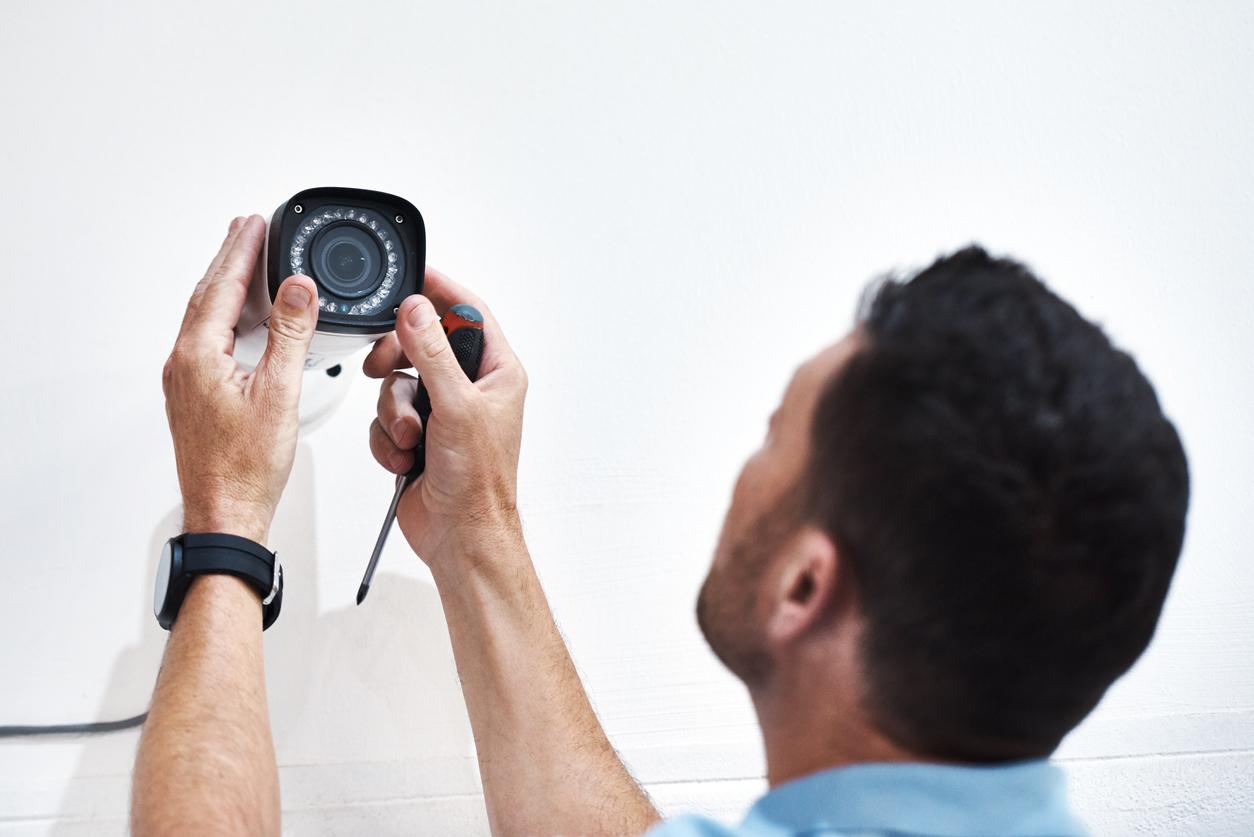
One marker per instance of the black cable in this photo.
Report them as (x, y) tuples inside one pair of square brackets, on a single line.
[(73, 729)]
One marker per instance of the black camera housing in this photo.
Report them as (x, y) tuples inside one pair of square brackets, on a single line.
[(300, 238)]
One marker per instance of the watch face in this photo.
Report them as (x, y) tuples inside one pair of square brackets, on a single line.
[(163, 580)]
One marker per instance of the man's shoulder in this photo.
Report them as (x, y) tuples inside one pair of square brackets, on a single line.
[(691, 825), (694, 825)]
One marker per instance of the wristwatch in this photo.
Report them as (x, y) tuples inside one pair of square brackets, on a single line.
[(197, 553)]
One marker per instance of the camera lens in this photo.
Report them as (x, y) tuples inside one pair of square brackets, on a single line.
[(356, 255), (347, 260)]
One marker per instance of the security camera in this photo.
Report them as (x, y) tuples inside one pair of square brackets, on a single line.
[(366, 251)]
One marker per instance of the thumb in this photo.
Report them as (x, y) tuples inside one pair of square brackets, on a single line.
[(424, 342), (292, 322)]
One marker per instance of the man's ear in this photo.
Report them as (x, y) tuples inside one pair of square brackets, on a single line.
[(805, 587)]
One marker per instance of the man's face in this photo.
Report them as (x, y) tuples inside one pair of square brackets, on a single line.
[(764, 513)]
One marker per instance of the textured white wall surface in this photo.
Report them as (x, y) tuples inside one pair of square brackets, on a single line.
[(591, 170)]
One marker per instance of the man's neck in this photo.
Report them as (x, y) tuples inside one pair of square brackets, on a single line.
[(810, 723)]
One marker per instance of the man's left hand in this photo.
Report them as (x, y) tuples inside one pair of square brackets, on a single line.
[(235, 431)]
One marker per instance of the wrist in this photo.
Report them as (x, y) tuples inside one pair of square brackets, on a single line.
[(226, 591), (485, 548), (237, 519)]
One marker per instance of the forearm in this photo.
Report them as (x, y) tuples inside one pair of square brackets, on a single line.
[(546, 763), (206, 762)]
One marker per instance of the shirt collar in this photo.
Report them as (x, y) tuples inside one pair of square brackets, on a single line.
[(1024, 799)]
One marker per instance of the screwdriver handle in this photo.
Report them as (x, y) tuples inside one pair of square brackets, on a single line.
[(464, 326)]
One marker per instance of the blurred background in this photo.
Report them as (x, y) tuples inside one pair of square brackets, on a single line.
[(644, 193)]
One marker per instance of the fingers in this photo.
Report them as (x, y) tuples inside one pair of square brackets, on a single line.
[(291, 329), (426, 345), (216, 303), (387, 354), (397, 429), (232, 233), (445, 293), (386, 453), (396, 412), (199, 291)]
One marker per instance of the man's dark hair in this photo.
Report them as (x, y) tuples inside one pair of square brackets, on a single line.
[(1011, 501)]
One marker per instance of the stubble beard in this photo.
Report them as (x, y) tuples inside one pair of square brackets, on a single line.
[(726, 605)]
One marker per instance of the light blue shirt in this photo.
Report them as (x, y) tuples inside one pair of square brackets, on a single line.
[(1025, 799)]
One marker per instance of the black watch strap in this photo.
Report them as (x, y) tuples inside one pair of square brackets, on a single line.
[(212, 553)]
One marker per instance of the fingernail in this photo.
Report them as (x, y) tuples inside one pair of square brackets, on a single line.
[(398, 430), (397, 461), (422, 314), (296, 296)]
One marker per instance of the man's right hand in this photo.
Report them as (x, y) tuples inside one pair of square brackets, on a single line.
[(546, 764), (467, 494)]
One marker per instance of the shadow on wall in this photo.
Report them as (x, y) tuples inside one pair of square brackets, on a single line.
[(365, 704)]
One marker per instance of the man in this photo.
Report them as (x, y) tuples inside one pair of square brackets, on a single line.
[(959, 530)]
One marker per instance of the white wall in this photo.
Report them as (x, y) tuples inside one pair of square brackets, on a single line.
[(644, 193)]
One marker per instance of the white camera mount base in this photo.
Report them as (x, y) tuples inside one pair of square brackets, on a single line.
[(321, 392)]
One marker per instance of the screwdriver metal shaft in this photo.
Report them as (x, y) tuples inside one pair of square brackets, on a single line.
[(402, 482)]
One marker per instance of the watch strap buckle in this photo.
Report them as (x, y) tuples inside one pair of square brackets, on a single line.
[(275, 582)]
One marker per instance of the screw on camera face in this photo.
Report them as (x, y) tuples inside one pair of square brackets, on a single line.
[(298, 209), (400, 219)]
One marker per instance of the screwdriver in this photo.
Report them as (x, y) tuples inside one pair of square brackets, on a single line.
[(464, 326)]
